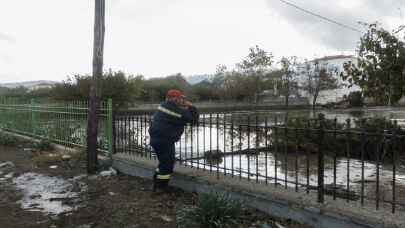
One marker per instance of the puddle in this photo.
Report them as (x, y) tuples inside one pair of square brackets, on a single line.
[(46, 194)]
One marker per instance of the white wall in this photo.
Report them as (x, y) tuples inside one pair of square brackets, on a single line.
[(334, 95)]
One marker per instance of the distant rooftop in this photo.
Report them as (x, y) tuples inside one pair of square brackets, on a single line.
[(333, 57)]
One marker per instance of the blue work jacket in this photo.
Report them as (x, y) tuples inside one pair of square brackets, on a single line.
[(169, 120)]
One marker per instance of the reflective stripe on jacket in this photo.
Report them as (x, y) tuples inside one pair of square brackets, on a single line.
[(169, 120)]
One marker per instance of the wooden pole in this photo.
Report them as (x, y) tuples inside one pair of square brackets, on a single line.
[(98, 52)]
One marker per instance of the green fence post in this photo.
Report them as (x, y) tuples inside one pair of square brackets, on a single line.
[(110, 127), (33, 117), (2, 112)]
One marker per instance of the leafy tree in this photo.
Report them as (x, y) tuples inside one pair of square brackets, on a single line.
[(204, 91), (4, 91), (274, 80), (155, 88), (122, 89), (233, 85), (14, 92), (355, 99), (238, 87), (255, 66), (115, 85), (219, 79), (380, 68)]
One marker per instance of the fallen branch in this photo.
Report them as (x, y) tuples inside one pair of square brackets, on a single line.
[(63, 198), (251, 151)]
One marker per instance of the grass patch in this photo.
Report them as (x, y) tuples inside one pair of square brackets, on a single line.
[(211, 211), (43, 145), (47, 159)]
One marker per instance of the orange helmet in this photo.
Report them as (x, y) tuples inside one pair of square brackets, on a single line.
[(174, 93)]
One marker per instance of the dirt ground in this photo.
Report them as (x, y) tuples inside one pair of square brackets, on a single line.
[(102, 201)]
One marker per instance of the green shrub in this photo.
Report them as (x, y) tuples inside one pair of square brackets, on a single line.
[(8, 140), (308, 140), (308, 135), (43, 145), (357, 113), (355, 99), (377, 124), (212, 211)]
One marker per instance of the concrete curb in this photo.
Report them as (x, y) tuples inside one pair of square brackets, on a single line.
[(274, 201), (57, 147)]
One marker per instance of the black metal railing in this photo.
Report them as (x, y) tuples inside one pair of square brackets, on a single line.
[(333, 158)]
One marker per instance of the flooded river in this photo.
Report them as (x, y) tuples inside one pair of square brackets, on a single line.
[(299, 169)]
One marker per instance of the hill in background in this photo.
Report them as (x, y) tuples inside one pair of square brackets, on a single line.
[(195, 79), (28, 84)]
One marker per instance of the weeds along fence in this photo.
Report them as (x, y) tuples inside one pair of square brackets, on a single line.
[(349, 160), (62, 123)]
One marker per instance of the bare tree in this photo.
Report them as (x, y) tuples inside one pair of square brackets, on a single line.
[(98, 53), (289, 77), (318, 78)]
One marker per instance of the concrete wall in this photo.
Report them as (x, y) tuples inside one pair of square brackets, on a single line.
[(270, 104), (332, 64), (276, 201)]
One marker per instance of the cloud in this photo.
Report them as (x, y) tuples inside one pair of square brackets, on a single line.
[(6, 59), (8, 38), (348, 12), (141, 10)]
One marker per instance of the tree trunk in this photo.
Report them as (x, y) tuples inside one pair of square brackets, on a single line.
[(389, 90), (256, 94), (98, 52), (275, 90), (287, 94), (314, 100)]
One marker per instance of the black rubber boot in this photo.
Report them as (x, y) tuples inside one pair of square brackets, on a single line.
[(161, 186), (155, 183), (164, 184)]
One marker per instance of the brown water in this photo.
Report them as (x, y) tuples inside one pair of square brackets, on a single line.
[(351, 174)]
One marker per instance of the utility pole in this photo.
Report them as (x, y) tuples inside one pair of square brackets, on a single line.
[(98, 52)]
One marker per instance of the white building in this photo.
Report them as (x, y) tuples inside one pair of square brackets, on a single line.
[(334, 66), (41, 86)]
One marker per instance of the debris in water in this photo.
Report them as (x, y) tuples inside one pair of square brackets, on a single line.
[(53, 166), (6, 165), (76, 178), (66, 157), (84, 226), (92, 177), (279, 225), (110, 172), (8, 176), (166, 218), (40, 191)]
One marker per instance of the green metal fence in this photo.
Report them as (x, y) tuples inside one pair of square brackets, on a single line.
[(62, 123)]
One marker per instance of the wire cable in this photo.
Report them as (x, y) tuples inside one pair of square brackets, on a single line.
[(320, 16)]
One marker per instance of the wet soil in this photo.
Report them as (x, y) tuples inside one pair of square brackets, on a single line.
[(107, 201)]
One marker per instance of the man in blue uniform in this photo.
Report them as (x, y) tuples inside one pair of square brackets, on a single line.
[(166, 129)]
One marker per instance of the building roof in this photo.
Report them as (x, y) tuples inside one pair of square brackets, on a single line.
[(332, 57)]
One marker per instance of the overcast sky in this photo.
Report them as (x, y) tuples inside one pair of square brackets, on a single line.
[(49, 40)]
